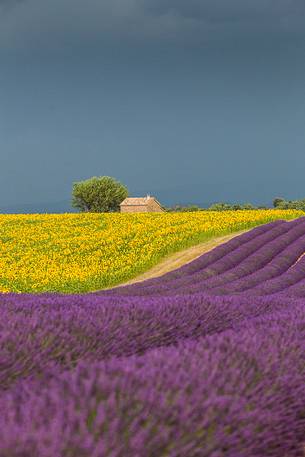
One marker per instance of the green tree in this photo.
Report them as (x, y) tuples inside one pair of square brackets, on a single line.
[(291, 204), (220, 207), (98, 194), (278, 201), (192, 208), (247, 206)]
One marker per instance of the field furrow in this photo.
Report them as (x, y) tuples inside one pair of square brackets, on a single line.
[(207, 360)]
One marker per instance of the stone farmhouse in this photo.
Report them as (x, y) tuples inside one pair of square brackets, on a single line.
[(146, 204)]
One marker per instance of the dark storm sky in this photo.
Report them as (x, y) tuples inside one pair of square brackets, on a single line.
[(194, 101)]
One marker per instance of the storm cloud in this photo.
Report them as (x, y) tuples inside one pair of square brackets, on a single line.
[(36, 23), (220, 11), (191, 100)]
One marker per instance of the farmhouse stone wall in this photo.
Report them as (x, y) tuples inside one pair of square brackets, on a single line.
[(153, 206), (134, 209)]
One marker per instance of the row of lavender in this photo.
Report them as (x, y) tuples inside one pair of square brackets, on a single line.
[(263, 261), (207, 361)]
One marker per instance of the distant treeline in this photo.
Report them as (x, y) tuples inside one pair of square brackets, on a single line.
[(279, 203), (215, 207)]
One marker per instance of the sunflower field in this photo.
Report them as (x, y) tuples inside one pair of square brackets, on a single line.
[(77, 253)]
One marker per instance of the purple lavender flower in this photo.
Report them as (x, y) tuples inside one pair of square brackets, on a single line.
[(206, 361)]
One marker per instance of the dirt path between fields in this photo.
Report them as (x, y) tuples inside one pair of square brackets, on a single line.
[(176, 260)]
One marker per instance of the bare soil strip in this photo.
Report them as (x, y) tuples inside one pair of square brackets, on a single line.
[(297, 260), (176, 260)]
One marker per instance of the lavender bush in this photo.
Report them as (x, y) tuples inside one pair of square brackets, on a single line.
[(206, 361)]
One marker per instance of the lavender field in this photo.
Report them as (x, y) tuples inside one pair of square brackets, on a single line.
[(207, 360)]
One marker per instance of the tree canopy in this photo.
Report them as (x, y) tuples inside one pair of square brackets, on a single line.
[(98, 194)]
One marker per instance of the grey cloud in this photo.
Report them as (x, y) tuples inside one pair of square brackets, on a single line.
[(224, 10), (9, 4), (53, 23)]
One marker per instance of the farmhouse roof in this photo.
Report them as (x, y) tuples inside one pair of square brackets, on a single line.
[(138, 201)]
